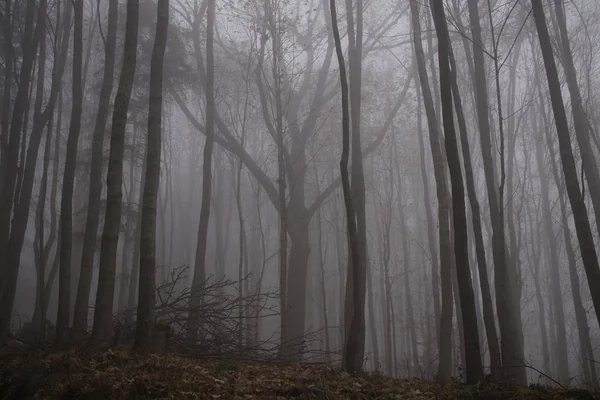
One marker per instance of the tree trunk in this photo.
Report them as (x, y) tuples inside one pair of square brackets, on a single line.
[(351, 361), (580, 119), (66, 200), (144, 332), (102, 329), (445, 331), (80, 314), (585, 345), (474, 370), (511, 331), (562, 359), (200, 260), (356, 284), (22, 208), (488, 305), (580, 215)]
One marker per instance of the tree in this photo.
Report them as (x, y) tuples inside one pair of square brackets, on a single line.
[(580, 215), (474, 370), (66, 202), (80, 313), (145, 312), (445, 331), (351, 363), (508, 310), (200, 260), (102, 328), (10, 252)]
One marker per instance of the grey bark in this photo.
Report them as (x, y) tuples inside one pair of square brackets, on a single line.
[(145, 324), (80, 313), (102, 328)]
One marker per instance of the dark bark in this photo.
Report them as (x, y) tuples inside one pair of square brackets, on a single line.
[(508, 310), (102, 328), (474, 370), (200, 259), (445, 331), (66, 202), (80, 313), (562, 360), (350, 361), (580, 214), (488, 304), (22, 207), (580, 119), (9, 161), (145, 325)]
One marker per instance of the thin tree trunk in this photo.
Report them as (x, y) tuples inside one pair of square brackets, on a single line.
[(580, 119), (352, 363), (66, 199), (80, 314), (580, 214), (145, 325), (445, 331), (488, 305), (562, 360), (474, 369), (102, 329), (200, 260), (134, 271), (585, 345), (511, 331), (22, 208)]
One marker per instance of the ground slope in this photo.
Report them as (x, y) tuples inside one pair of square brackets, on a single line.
[(84, 374)]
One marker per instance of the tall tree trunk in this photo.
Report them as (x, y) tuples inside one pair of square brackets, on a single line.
[(580, 215), (66, 200), (356, 278), (585, 345), (80, 314), (10, 157), (445, 331), (22, 208), (351, 362), (433, 253), (102, 329), (41, 248), (134, 271), (511, 331), (126, 267), (488, 305), (474, 370), (200, 260), (562, 359), (145, 311), (580, 119)]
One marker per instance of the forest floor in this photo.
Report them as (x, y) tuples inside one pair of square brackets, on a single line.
[(79, 374)]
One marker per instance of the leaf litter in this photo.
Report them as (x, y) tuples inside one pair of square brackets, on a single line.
[(119, 374)]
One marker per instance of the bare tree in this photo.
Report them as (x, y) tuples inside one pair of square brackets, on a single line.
[(145, 312), (445, 331), (80, 313), (580, 215), (200, 260), (102, 328), (66, 200)]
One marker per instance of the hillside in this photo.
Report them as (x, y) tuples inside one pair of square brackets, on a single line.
[(82, 374)]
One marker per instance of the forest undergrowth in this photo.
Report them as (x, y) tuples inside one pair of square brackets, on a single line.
[(27, 373)]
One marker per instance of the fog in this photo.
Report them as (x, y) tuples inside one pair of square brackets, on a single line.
[(410, 187)]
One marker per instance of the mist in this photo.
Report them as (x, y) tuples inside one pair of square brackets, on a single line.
[(408, 187)]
